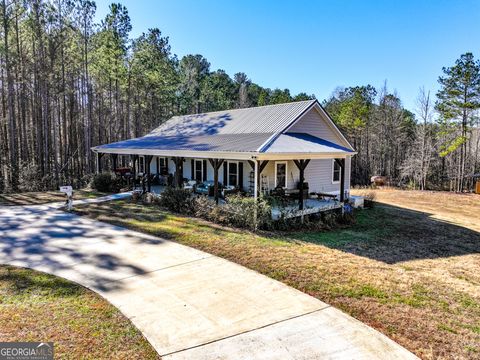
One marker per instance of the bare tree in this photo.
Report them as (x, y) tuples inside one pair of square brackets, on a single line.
[(417, 164)]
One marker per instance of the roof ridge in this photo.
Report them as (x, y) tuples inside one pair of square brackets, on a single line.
[(250, 108)]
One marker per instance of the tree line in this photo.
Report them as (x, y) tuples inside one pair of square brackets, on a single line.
[(435, 147), (69, 83)]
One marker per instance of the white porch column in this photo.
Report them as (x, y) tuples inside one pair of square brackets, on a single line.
[(255, 192), (255, 186), (98, 163)]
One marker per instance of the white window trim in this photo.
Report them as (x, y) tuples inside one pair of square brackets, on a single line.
[(195, 169), (286, 172), (228, 172), (333, 173)]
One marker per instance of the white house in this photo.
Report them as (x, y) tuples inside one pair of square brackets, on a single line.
[(254, 149)]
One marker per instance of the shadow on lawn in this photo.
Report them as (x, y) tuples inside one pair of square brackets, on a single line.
[(68, 246), (21, 282), (30, 198), (392, 234)]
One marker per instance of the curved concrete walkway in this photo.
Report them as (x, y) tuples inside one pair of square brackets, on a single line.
[(187, 303)]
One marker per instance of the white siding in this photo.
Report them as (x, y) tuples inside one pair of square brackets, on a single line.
[(318, 174), (315, 124), (292, 174)]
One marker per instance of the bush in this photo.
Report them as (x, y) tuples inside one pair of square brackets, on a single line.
[(107, 182), (29, 179), (177, 200), (238, 211), (204, 207)]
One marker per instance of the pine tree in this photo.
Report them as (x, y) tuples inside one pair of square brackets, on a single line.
[(458, 98)]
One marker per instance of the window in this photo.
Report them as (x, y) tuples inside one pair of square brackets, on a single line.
[(281, 174), (336, 172), (198, 170), (233, 173), (162, 166)]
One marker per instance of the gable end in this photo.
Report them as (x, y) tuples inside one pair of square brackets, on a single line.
[(318, 123)]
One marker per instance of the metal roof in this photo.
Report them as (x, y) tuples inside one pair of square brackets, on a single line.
[(252, 130), (256, 120), (221, 142), (303, 143)]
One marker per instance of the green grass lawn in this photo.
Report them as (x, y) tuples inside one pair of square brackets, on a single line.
[(43, 197), (39, 307), (404, 272)]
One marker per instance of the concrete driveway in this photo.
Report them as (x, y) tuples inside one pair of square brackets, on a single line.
[(187, 303)]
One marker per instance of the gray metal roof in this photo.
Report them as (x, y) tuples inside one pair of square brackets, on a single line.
[(303, 143), (254, 130), (221, 142), (256, 120)]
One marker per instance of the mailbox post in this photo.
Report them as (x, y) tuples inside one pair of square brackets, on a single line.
[(68, 191)]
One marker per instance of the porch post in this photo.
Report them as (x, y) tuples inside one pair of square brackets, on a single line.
[(260, 168), (342, 180), (255, 180), (134, 169), (300, 195), (99, 162), (341, 163), (178, 171), (114, 161), (148, 160), (175, 178), (255, 193), (301, 164), (216, 163)]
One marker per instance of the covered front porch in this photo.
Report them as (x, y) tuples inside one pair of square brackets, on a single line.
[(299, 184), (286, 210)]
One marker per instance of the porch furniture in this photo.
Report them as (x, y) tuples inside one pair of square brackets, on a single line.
[(123, 171), (229, 190), (293, 194), (278, 192), (205, 188), (190, 185), (326, 196)]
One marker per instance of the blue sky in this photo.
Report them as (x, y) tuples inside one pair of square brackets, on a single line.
[(316, 46)]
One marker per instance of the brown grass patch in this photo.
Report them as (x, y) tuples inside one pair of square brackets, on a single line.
[(401, 269), (39, 307)]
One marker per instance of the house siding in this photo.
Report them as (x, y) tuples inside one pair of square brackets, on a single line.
[(318, 174), (314, 124), (187, 170)]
